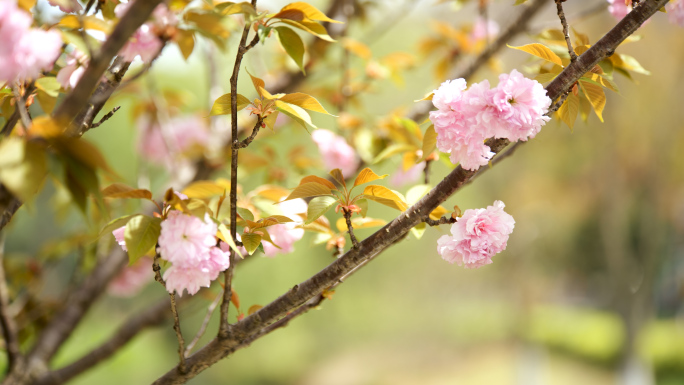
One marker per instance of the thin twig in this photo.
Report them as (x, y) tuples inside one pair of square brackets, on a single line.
[(426, 171), (224, 326), (245, 142), (566, 33), (21, 106), (106, 117), (350, 228), (205, 323), (174, 310), (9, 327)]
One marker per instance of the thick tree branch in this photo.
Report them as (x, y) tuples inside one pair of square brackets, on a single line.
[(399, 227), (136, 15)]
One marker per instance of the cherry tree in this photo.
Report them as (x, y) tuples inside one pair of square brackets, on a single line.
[(192, 230)]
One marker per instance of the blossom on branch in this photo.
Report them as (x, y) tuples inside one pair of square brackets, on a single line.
[(286, 234), (25, 52), (619, 9), (477, 236), (516, 110), (70, 74), (675, 12), (484, 29), (132, 279), (189, 243)]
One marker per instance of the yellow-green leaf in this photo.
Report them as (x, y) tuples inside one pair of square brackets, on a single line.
[(393, 149), (305, 101), (367, 175), (596, 97), (49, 85), (203, 189), (568, 111), (141, 235), (540, 51), (258, 83), (295, 112), (23, 167), (357, 48), (385, 196), (359, 223), (251, 242), (308, 10), (310, 27), (319, 206), (186, 43), (118, 190), (429, 141), (309, 189), (224, 234), (545, 77), (244, 8), (222, 104), (209, 22), (292, 44)]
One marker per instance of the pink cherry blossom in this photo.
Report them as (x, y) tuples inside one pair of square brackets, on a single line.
[(189, 243), (336, 152), (185, 240), (618, 9), (132, 279), (519, 107), (25, 52), (119, 237), (183, 135), (286, 234), (477, 236), (70, 74), (144, 43), (675, 12), (484, 28), (403, 177)]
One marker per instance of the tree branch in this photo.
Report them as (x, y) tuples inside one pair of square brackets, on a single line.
[(228, 274), (399, 227), (566, 34), (174, 310), (136, 15), (350, 228)]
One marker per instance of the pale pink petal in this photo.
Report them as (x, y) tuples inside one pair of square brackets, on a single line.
[(132, 279), (336, 152), (119, 237)]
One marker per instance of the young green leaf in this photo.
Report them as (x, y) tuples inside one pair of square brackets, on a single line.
[(224, 234), (245, 213), (119, 190), (310, 27), (319, 206), (305, 101), (293, 45), (141, 234), (429, 141), (251, 242), (295, 112), (309, 189), (308, 10)]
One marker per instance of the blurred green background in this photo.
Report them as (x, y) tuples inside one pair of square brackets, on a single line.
[(588, 291)]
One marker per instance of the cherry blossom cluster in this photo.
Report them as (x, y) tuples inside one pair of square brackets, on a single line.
[(675, 10), (516, 110), (336, 152), (189, 243), (477, 236), (24, 52), (146, 41)]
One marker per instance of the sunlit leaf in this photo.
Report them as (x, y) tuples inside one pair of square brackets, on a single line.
[(319, 180), (295, 112), (115, 224), (545, 77), (258, 83), (319, 206), (292, 44), (305, 101), (118, 190), (367, 175), (224, 234), (251, 242), (310, 27), (253, 309), (385, 196), (245, 213), (186, 43), (429, 141), (418, 230), (203, 189), (232, 9), (631, 64), (359, 223), (309, 189), (308, 10), (541, 51), (208, 21), (596, 97), (222, 104), (141, 235), (49, 85), (357, 48), (23, 167), (568, 111), (393, 149)]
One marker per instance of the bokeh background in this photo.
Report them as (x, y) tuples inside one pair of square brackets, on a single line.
[(589, 290)]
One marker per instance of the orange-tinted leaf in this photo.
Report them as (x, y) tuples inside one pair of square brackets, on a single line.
[(308, 10), (309, 189), (367, 175), (305, 101), (541, 51), (385, 196), (337, 175), (253, 309), (319, 180)]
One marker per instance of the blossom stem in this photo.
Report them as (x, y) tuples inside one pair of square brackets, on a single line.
[(245, 142), (176, 319), (106, 117), (566, 33), (426, 171)]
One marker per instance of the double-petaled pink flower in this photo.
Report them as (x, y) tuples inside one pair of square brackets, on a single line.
[(189, 243), (477, 236), (25, 52), (464, 119)]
